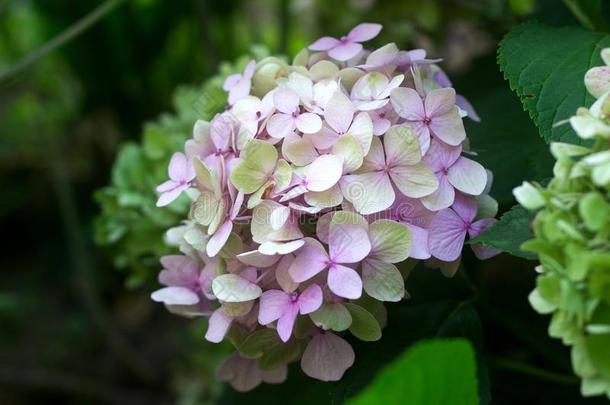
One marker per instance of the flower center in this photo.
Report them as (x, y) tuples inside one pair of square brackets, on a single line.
[(427, 120)]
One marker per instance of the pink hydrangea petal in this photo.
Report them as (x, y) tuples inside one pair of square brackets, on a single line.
[(478, 227), (408, 104), (175, 296), (323, 139), (286, 101), (249, 273), (449, 127), (465, 206), (221, 132), (423, 134), (243, 374), (272, 306), (324, 172), (344, 282), (439, 102), (465, 105), (168, 185), (324, 44), (280, 125), (419, 244), (380, 126), (348, 243), (339, 112), (249, 70), (443, 196), (364, 32), (446, 236), (441, 78), (179, 271), (441, 156), (240, 90), (231, 81), (220, 237), (310, 260), (327, 357), (169, 196), (345, 51), (178, 167), (218, 326), (310, 299), (468, 176), (309, 123), (285, 324), (275, 376)]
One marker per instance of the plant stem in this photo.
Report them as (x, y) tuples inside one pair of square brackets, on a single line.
[(532, 371), (84, 267), (588, 13), (61, 39)]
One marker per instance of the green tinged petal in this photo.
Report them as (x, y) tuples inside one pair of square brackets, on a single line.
[(390, 241), (349, 148), (282, 175), (364, 325), (233, 288), (382, 281), (402, 146), (594, 210), (256, 166), (332, 317)]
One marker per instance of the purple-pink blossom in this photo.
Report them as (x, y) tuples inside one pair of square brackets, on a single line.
[(348, 46), (308, 197)]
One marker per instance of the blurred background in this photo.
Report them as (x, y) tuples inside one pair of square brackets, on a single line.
[(86, 133)]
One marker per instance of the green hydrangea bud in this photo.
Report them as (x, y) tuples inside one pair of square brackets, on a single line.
[(572, 241)]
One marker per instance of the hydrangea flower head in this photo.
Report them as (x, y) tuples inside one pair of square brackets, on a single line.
[(308, 192)]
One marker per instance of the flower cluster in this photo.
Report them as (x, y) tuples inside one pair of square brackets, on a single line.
[(317, 179), (572, 238)]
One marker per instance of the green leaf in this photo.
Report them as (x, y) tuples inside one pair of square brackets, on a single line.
[(499, 139), (509, 233), (431, 372), (364, 325), (545, 67), (433, 319)]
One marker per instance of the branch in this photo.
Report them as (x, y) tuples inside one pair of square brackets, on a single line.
[(61, 39)]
